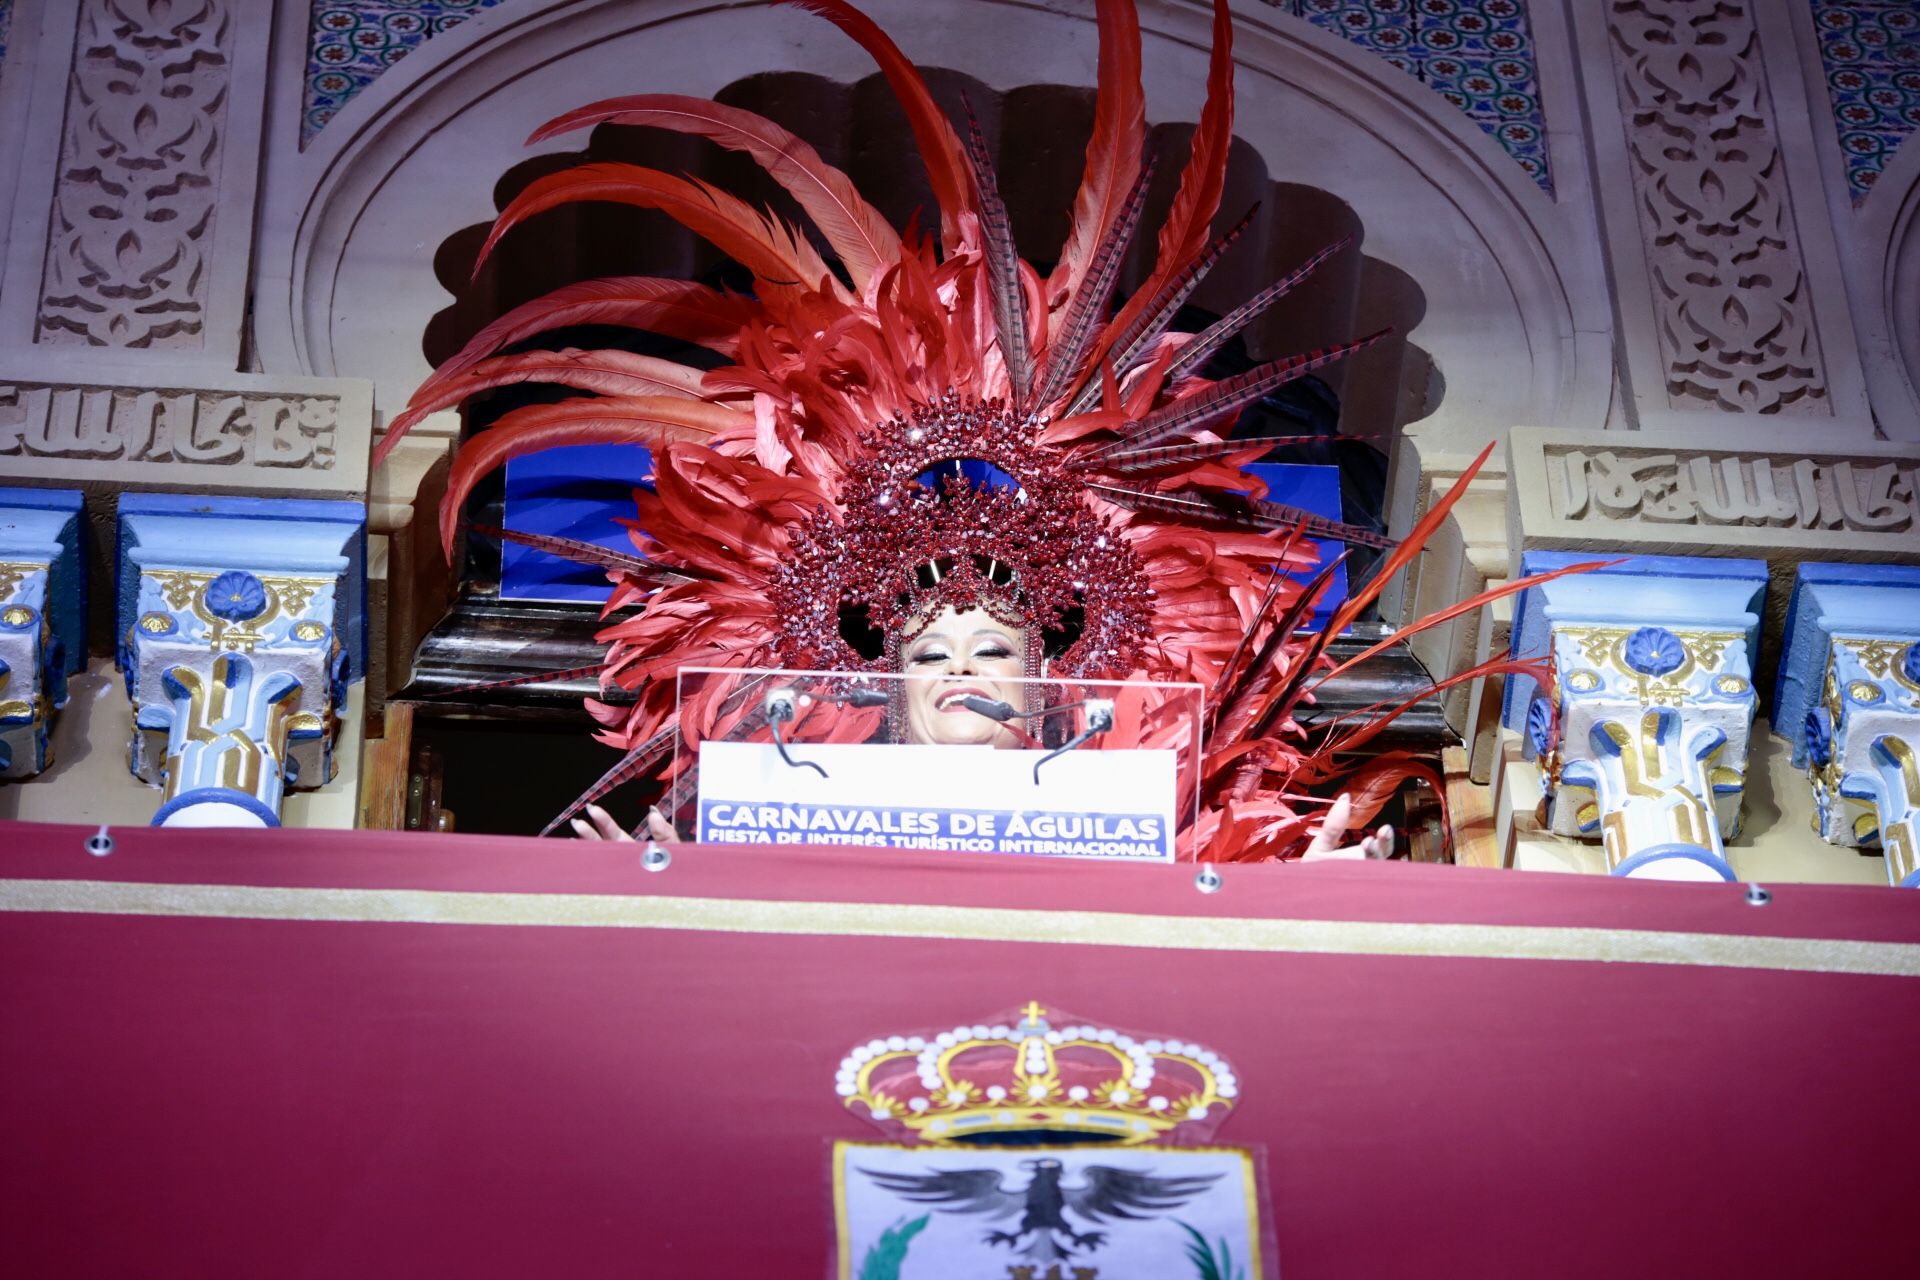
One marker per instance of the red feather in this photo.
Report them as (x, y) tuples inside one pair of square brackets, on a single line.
[(610, 373), (757, 241), (648, 420), (1184, 233), (642, 759), (940, 150), (1114, 151), (865, 242)]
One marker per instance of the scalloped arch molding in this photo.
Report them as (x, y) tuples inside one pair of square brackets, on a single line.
[(1477, 54)]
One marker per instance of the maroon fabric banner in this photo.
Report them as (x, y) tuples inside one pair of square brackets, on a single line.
[(334, 1053)]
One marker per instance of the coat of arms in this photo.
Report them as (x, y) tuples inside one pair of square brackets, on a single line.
[(1037, 1149)]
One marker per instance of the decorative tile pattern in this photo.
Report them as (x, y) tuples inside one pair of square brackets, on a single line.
[(1871, 51), (1477, 54), (353, 41)]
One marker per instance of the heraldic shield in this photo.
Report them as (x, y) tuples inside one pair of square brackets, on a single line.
[(1044, 1147)]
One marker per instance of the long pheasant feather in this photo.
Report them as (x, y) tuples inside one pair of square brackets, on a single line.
[(1127, 345), (1239, 511), (512, 682), (1160, 457), (642, 759), (1087, 308), (582, 552), (1184, 233), (1003, 268), (1222, 398), (1194, 356)]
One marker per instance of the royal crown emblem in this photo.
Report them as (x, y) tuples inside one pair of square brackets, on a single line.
[(1028, 1079)]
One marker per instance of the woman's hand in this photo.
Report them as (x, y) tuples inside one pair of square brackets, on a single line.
[(1326, 841), (599, 825)]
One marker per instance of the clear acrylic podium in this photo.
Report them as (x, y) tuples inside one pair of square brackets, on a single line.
[(1046, 767)]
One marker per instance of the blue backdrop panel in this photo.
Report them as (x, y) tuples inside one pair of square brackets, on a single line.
[(583, 490)]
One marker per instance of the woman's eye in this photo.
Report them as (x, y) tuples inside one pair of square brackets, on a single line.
[(994, 651), (930, 655)]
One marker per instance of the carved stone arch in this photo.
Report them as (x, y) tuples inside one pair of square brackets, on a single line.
[(1516, 318), (1885, 269)]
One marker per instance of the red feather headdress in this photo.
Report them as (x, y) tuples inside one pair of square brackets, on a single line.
[(789, 484)]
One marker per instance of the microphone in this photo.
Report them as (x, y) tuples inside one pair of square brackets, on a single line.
[(857, 697), (1099, 720), (991, 708), (781, 708)]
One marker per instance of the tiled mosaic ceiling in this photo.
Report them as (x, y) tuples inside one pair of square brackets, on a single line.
[(1871, 51), (353, 41), (1477, 54), (6, 25)]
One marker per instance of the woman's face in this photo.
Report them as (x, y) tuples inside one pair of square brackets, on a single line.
[(963, 653)]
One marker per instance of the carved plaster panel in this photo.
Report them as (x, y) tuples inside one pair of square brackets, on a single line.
[(138, 183), (1734, 312), (243, 432), (1713, 490)]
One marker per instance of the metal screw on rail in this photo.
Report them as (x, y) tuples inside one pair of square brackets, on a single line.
[(100, 844), (1757, 896), (1208, 881)]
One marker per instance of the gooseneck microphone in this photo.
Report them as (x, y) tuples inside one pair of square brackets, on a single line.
[(1099, 720), (782, 707)]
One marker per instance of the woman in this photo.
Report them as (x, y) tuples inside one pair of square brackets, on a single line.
[(974, 653)]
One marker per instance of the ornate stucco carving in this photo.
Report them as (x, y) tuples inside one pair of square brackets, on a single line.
[(136, 195), (1713, 489), (136, 424), (226, 432), (1698, 487), (1734, 314)]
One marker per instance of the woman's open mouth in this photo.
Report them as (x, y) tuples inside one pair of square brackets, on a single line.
[(950, 700)]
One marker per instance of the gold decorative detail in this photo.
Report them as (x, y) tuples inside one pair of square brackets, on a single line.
[(179, 588), (917, 923), (306, 722), (13, 573), (308, 631), (1731, 685), (285, 597), (1603, 646), (17, 616), (1880, 658), (1583, 681), (1586, 815), (1032, 1077), (155, 624), (1864, 691)]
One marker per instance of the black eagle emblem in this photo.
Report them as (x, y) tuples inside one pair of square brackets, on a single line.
[(1043, 1204)]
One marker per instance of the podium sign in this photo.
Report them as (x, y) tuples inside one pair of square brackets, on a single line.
[(943, 764), (953, 799)]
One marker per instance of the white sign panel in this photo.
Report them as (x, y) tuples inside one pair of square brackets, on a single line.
[(1046, 1213), (1087, 804)]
